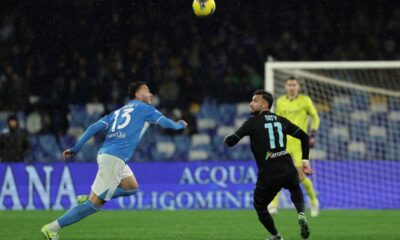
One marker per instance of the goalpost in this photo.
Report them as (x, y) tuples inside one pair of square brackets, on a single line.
[(357, 150)]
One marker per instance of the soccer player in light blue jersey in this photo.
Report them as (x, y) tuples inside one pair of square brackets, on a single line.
[(124, 127)]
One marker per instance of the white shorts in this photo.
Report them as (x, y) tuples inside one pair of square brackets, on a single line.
[(111, 171)]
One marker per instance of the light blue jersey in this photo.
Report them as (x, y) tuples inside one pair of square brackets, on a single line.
[(125, 127)]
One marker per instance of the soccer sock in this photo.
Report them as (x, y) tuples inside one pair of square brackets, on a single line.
[(77, 213), (54, 226), (274, 202), (267, 221), (296, 195), (124, 192), (308, 185)]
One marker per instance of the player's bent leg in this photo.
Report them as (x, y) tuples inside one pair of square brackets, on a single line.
[(129, 182), (128, 186), (75, 214), (81, 211), (296, 195), (119, 192), (262, 197)]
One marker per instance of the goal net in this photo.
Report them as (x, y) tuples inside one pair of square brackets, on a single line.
[(357, 150)]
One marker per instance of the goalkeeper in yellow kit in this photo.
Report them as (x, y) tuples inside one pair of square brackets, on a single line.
[(298, 108)]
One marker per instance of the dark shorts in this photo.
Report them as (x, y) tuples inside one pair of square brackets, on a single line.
[(267, 190)]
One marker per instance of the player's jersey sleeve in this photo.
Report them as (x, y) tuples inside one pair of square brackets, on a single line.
[(312, 111), (153, 115), (290, 127), (106, 120), (243, 131)]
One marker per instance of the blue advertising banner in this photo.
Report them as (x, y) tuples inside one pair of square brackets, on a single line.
[(197, 185)]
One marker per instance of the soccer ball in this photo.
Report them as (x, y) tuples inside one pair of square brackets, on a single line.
[(203, 8)]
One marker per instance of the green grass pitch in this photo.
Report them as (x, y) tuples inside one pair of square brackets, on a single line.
[(201, 225)]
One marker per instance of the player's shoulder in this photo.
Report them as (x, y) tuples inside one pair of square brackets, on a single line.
[(304, 97), (252, 119), (281, 98)]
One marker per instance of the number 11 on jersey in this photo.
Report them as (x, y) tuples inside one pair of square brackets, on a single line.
[(278, 127)]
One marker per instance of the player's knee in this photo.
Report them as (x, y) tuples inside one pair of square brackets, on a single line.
[(129, 183), (260, 207)]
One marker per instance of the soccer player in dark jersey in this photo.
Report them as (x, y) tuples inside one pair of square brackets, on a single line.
[(276, 170)]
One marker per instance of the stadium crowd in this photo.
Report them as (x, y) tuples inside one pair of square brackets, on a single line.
[(58, 53)]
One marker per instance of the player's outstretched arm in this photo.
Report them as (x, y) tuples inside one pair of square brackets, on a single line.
[(231, 140), (168, 123), (234, 138), (89, 132)]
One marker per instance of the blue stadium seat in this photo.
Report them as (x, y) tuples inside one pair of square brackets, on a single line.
[(242, 110), (393, 132), (77, 115), (182, 145), (88, 153), (206, 125), (341, 104), (198, 154), (208, 109), (393, 104), (376, 143), (359, 125), (226, 113), (379, 118), (357, 150), (164, 150), (240, 152), (50, 147), (38, 155), (67, 141), (360, 101), (338, 140)]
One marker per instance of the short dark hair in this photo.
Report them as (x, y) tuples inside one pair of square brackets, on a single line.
[(133, 88), (266, 95), (12, 117), (291, 78)]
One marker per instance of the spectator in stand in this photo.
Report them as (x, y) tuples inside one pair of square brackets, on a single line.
[(14, 143)]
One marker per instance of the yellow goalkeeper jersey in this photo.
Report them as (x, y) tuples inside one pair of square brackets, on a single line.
[(298, 111)]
